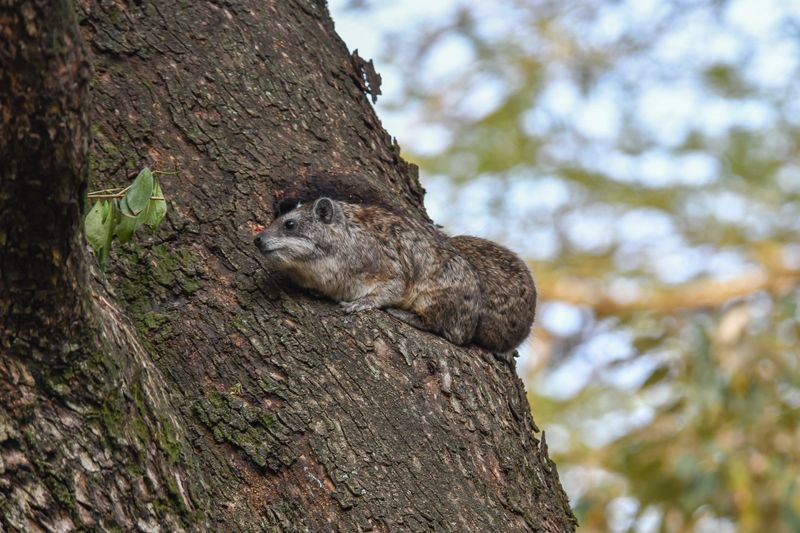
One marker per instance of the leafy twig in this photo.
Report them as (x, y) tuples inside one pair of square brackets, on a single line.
[(121, 212)]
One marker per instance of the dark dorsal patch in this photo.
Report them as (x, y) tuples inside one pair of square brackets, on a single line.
[(284, 205), (341, 187), (367, 216)]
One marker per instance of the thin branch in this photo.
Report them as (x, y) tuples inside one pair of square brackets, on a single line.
[(95, 196), (121, 190)]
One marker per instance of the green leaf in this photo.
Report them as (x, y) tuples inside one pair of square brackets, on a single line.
[(157, 209), (99, 226), (110, 223), (93, 224), (127, 225), (124, 208), (117, 210), (138, 196)]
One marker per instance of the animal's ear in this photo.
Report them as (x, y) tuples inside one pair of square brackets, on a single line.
[(323, 210)]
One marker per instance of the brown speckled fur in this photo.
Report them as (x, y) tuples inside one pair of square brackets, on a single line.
[(466, 289), (508, 293)]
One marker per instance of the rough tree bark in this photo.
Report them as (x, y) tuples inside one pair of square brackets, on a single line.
[(190, 389)]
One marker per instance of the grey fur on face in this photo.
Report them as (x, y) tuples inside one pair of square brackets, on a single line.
[(466, 289)]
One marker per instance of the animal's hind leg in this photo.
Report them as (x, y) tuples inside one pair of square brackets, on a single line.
[(441, 313), (408, 317), (434, 319)]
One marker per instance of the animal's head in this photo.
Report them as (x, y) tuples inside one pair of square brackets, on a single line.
[(303, 234)]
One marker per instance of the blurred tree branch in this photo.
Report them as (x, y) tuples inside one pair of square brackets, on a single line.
[(772, 276)]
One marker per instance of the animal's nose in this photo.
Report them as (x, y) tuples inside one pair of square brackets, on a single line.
[(257, 241)]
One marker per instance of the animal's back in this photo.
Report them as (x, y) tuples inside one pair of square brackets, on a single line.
[(508, 293)]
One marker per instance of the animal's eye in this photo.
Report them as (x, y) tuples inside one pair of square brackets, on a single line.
[(290, 224)]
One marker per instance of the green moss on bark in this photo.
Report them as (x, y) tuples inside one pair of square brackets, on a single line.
[(250, 428)]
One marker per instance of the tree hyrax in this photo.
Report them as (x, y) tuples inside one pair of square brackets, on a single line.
[(468, 290)]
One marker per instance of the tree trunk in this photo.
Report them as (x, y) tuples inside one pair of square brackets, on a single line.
[(193, 389)]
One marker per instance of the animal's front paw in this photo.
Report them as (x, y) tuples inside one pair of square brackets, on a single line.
[(356, 306)]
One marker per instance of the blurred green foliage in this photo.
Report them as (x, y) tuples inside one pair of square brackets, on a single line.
[(646, 156)]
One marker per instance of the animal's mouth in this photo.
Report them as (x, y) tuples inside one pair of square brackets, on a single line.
[(282, 249), (270, 250), (267, 247)]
